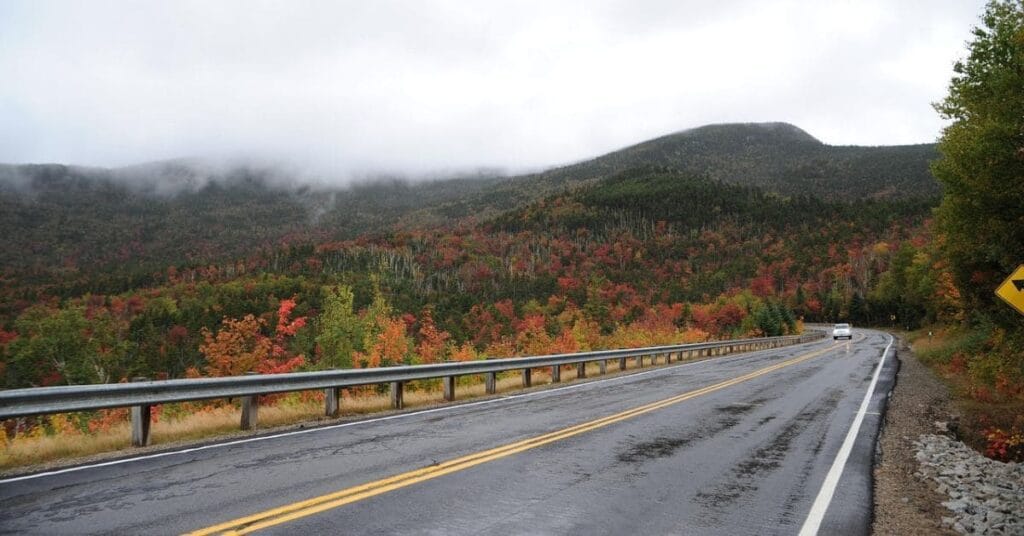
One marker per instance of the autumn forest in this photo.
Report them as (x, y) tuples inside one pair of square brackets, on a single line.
[(167, 271)]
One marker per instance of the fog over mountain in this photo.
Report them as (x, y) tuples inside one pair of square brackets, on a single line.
[(339, 91), (128, 223)]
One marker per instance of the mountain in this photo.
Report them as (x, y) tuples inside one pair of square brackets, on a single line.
[(626, 260), (71, 225), (141, 274), (776, 157), (74, 229)]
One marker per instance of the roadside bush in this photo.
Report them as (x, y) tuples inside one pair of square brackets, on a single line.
[(1005, 446)]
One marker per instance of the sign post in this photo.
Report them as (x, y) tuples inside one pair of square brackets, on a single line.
[(1012, 290)]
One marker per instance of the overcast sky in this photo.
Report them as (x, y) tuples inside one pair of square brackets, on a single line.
[(420, 86)]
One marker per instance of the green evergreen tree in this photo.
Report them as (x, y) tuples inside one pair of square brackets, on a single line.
[(858, 308)]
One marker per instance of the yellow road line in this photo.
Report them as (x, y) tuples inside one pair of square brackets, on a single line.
[(300, 509)]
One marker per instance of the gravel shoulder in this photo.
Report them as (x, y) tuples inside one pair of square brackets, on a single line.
[(903, 504)]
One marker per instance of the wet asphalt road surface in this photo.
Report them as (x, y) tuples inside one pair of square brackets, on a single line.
[(746, 459)]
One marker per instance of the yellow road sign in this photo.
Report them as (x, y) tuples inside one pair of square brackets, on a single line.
[(1012, 290)]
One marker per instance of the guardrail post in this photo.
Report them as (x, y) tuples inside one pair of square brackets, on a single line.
[(527, 377), (396, 395), (622, 363), (141, 417), (602, 366), (491, 382), (332, 401), (581, 369), (449, 388), (639, 361), (250, 409), (556, 373)]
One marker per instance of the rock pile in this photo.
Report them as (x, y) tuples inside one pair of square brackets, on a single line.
[(986, 496)]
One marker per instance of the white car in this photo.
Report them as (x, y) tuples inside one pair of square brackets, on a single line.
[(842, 331)]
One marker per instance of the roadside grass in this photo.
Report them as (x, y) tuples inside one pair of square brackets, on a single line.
[(191, 422), (985, 381), (938, 345)]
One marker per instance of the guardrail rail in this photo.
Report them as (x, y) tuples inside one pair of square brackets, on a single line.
[(141, 394)]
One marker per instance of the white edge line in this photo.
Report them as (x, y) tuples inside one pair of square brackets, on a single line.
[(366, 421), (828, 488)]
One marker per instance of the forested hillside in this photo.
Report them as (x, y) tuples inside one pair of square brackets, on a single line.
[(143, 271), (647, 256), (167, 272), (72, 230)]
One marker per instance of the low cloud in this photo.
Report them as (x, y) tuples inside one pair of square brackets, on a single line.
[(336, 92)]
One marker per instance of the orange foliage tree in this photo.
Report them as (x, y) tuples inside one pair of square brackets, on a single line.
[(240, 346), (390, 346), (431, 347)]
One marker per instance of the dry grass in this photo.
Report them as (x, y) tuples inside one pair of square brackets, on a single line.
[(223, 421), (36, 450)]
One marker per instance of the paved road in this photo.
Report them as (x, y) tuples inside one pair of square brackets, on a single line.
[(734, 445)]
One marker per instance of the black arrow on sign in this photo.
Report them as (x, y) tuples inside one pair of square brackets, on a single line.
[(1019, 283)]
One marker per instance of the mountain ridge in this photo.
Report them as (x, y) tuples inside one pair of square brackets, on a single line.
[(775, 156), (65, 223), (685, 150)]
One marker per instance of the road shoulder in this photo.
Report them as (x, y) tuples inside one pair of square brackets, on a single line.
[(902, 503)]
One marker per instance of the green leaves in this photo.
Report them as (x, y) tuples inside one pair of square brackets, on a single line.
[(64, 346), (982, 164), (339, 330)]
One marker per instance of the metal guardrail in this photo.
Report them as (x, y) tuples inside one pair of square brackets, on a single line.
[(142, 395)]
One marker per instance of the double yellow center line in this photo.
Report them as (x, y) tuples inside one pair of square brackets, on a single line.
[(291, 512)]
